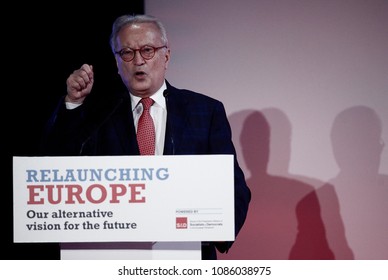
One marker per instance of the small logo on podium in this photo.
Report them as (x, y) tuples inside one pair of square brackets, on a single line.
[(181, 222)]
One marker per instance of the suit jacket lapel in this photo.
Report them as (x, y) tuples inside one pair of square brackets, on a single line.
[(176, 121), (125, 128)]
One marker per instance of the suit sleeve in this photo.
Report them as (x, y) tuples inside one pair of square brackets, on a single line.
[(64, 132)]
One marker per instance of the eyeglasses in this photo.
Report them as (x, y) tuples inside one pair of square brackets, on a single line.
[(146, 52)]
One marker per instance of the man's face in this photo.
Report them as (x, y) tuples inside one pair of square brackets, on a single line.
[(142, 77)]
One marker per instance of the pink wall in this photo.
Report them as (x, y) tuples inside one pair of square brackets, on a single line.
[(305, 84)]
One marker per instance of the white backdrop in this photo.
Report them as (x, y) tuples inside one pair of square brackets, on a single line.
[(305, 85)]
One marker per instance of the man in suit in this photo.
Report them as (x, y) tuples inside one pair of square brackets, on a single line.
[(186, 122)]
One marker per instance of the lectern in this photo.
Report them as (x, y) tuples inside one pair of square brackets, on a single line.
[(124, 207)]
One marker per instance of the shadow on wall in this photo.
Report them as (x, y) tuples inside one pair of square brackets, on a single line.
[(361, 193), (284, 220)]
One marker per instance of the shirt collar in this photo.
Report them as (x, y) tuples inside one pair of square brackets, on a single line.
[(158, 97)]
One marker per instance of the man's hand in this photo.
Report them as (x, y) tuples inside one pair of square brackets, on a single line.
[(79, 84)]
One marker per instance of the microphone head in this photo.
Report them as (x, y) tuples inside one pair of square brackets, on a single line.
[(165, 93)]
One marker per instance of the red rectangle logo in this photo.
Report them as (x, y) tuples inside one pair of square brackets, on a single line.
[(181, 222)]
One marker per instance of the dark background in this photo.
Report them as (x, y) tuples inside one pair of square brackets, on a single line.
[(42, 46)]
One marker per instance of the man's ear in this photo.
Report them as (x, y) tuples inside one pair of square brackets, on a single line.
[(167, 57)]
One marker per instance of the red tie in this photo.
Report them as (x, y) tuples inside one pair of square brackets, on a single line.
[(146, 129)]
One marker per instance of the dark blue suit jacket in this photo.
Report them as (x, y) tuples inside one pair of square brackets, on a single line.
[(196, 124)]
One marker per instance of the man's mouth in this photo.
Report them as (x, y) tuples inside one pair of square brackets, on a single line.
[(140, 73)]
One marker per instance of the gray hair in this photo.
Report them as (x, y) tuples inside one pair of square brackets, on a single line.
[(126, 20)]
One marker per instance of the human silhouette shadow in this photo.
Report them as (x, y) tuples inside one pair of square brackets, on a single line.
[(283, 220), (361, 191)]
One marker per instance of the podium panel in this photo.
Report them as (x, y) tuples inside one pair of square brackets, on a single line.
[(153, 207)]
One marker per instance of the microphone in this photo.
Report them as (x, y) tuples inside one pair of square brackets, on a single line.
[(169, 126), (100, 125)]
